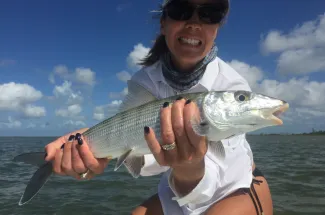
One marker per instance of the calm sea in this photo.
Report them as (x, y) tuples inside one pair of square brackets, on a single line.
[(293, 165)]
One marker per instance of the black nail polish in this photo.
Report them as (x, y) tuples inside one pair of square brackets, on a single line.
[(179, 98), (80, 142), (62, 147), (166, 104), (146, 130), (78, 138), (71, 138), (188, 101)]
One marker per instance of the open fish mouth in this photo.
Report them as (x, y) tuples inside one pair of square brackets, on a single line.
[(274, 114)]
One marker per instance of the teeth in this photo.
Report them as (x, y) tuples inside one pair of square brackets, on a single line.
[(190, 41)]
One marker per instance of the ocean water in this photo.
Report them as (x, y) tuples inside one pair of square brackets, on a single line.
[(294, 167)]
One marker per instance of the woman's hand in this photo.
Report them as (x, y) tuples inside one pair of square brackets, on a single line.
[(71, 156), (187, 158)]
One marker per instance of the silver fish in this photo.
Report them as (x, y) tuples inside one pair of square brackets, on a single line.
[(223, 114)]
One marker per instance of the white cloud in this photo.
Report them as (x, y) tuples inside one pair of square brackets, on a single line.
[(302, 92), (71, 111), (104, 111), (297, 91), (138, 53), (309, 34), (302, 61), (99, 113), (81, 75), (63, 90), (74, 123), (86, 76), (61, 70), (11, 123), (314, 113), (19, 98), (66, 92), (14, 96), (118, 95), (302, 50), (52, 78), (306, 97), (252, 74), (34, 111), (123, 76)]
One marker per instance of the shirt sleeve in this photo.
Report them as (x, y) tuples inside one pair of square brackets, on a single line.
[(151, 166), (204, 190), (212, 184)]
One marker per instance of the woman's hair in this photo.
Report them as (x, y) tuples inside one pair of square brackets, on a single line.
[(160, 47)]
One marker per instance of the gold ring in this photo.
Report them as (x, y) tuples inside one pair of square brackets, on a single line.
[(168, 147)]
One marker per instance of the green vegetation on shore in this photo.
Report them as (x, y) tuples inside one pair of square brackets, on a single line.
[(313, 132)]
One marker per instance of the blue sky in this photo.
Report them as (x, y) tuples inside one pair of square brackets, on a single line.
[(63, 64)]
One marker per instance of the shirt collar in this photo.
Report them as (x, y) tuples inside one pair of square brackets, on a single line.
[(207, 80)]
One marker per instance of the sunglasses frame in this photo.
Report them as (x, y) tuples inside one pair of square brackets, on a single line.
[(195, 8)]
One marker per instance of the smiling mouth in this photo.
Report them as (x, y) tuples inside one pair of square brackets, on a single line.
[(190, 41)]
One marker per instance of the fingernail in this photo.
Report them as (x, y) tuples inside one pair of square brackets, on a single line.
[(146, 130), (179, 98), (45, 155), (188, 101), (78, 138), (62, 147), (71, 138), (166, 104)]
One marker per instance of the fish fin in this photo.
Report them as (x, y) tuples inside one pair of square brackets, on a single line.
[(134, 165), (33, 158), (37, 181), (217, 148), (200, 128), (137, 95), (121, 159)]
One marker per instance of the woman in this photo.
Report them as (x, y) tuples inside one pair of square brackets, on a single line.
[(194, 181)]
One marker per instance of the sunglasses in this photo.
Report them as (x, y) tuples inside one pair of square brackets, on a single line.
[(208, 13)]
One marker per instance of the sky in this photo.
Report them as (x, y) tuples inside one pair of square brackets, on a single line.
[(64, 64)]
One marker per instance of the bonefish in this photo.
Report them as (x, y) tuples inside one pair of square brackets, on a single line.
[(223, 114)]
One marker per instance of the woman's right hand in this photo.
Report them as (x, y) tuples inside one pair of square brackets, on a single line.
[(74, 158)]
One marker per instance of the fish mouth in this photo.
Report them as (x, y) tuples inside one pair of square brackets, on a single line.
[(274, 113)]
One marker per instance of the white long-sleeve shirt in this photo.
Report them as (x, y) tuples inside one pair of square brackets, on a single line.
[(221, 178)]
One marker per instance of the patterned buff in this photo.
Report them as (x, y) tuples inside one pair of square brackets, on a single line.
[(181, 81)]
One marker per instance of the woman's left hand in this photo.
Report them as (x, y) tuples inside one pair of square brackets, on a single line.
[(187, 158)]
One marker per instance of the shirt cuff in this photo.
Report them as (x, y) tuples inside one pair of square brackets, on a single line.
[(151, 166), (203, 192)]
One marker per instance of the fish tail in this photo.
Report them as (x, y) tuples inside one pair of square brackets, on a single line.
[(39, 178)]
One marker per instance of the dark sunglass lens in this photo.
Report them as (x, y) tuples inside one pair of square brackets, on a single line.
[(179, 10), (211, 15)]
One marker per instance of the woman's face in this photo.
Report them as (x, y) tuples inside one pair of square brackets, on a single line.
[(189, 41)]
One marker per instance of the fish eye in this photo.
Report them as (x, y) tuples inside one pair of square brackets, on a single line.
[(241, 97)]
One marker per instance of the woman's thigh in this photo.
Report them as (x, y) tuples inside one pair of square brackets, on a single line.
[(241, 203), (151, 206)]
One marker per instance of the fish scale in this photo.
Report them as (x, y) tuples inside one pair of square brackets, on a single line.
[(124, 131)]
